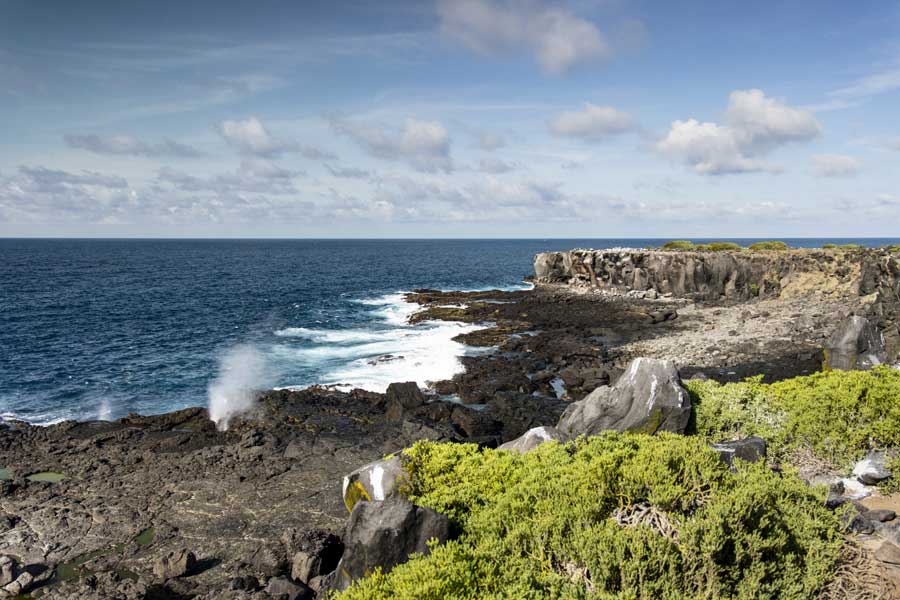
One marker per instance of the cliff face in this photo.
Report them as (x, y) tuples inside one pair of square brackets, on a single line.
[(866, 281)]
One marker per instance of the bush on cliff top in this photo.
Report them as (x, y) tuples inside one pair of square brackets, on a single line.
[(770, 245), (617, 516), (838, 415)]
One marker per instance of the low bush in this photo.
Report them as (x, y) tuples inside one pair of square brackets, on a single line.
[(839, 415), (724, 246), (770, 245), (617, 516), (679, 245)]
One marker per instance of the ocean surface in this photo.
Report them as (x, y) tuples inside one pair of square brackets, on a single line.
[(100, 328)]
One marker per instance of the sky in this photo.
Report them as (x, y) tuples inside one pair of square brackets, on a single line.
[(449, 118)]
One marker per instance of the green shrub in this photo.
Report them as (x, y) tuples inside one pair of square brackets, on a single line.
[(771, 245), (839, 415), (678, 245), (829, 246), (617, 516), (724, 246)]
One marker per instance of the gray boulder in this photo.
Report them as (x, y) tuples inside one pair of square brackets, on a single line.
[(401, 398), (647, 398), (384, 534), (751, 449), (855, 345), (282, 588), (375, 481), (7, 570), (872, 469), (531, 439), (176, 563)]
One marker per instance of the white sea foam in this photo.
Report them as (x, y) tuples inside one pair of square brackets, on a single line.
[(389, 350)]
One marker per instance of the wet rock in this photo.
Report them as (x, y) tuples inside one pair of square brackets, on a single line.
[(402, 397), (384, 534), (531, 439), (176, 563), (647, 398), (872, 469), (855, 345), (751, 449), (282, 588), (375, 481)]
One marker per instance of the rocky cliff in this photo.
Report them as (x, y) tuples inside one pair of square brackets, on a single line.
[(866, 281)]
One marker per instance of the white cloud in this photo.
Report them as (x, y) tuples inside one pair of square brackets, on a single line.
[(558, 38), (126, 145), (495, 166), (425, 145), (491, 141), (348, 172), (592, 123), (754, 126), (871, 85), (835, 165), (250, 136)]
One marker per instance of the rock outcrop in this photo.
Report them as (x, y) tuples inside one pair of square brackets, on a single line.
[(855, 345), (384, 534), (648, 397)]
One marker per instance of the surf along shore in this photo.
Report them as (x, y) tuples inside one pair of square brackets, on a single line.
[(296, 498)]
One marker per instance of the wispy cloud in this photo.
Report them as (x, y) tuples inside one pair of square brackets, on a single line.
[(126, 145)]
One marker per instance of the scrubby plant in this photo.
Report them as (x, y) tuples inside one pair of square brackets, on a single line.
[(724, 246), (829, 246), (770, 245), (838, 415), (617, 516), (679, 245)]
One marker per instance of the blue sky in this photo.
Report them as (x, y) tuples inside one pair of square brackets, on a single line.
[(449, 118)]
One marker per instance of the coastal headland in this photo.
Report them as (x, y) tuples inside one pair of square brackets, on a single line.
[(639, 342)]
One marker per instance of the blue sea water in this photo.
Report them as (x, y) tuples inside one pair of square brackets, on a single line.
[(100, 328)]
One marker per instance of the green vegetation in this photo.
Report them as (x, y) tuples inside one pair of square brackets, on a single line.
[(617, 516), (770, 245), (837, 415), (720, 246), (842, 246), (679, 245)]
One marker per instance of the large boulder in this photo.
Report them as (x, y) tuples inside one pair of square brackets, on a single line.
[(177, 563), (531, 439), (384, 534), (375, 481), (401, 398), (855, 345), (648, 397)]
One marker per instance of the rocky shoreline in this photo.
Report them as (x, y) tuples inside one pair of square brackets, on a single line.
[(168, 506)]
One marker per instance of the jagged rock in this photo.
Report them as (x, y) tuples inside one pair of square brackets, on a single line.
[(375, 481), (751, 449), (855, 345), (384, 534), (282, 588), (531, 439), (872, 469), (7, 570), (648, 397), (176, 563), (313, 553), (476, 425), (402, 397)]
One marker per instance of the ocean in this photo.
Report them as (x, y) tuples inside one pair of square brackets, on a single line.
[(96, 329)]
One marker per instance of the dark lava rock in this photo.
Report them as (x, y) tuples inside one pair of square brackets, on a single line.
[(855, 345), (751, 449), (402, 397), (384, 534), (882, 515), (647, 397), (477, 426), (312, 553), (282, 588)]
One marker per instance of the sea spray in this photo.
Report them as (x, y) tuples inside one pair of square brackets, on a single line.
[(242, 372)]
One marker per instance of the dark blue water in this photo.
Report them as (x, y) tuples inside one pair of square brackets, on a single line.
[(104, 327)]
